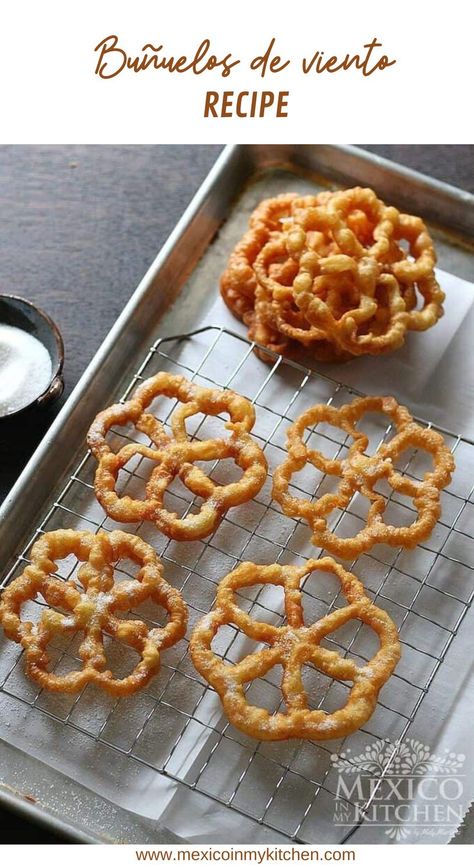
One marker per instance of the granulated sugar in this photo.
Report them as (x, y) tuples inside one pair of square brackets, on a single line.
[(25, 369)]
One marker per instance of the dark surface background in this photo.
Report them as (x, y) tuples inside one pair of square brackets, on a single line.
[(79, 226)]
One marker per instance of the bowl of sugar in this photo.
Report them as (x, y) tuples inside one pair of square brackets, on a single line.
[(31, 357)]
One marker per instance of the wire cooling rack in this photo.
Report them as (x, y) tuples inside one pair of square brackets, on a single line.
[(176, 726)]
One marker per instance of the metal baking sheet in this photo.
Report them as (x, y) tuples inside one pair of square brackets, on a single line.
[(242, 175)]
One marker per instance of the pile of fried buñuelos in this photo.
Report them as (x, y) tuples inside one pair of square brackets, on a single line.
[(338, 273)]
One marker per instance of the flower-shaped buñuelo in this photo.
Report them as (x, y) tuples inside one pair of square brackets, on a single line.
[(176, 456), (91, 606), (360, 473), (293, 646)]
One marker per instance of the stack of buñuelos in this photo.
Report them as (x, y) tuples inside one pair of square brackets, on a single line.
[(339, 273)]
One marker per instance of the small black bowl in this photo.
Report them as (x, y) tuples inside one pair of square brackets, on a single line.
[(24, 315)]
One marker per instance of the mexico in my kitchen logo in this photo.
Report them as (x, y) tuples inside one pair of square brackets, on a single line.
[(406, 789)]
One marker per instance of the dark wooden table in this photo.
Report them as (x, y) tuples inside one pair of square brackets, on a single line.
[(79, 226)]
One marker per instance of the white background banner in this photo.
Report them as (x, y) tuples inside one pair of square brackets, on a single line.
[(363, 856), (412, 85)]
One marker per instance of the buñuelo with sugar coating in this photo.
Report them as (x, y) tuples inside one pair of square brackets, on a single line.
[(91, 604), (176, 455), (293, 646)]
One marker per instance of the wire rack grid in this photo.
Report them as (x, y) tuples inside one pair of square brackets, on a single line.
[(176, 725)]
